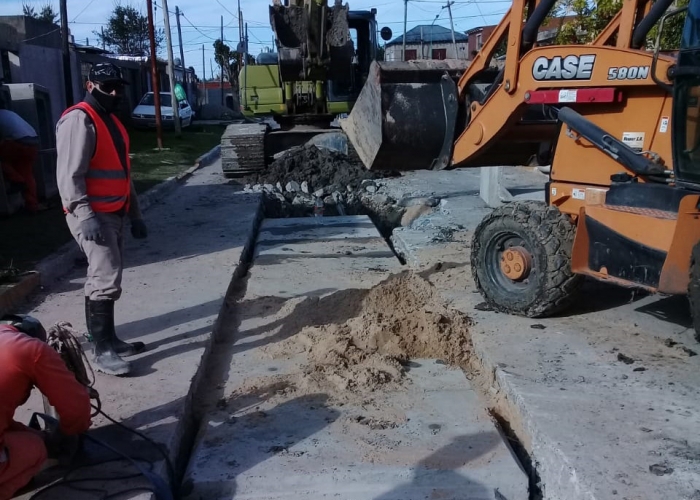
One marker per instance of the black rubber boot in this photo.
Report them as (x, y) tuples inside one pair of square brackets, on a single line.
[(100, 321), (120, 347)]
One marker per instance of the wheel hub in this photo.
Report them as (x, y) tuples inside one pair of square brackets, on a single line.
[(516, 263)]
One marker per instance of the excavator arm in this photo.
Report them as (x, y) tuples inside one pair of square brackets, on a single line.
[(313, 39)]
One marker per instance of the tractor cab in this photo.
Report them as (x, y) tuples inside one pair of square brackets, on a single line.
[(686, 101)]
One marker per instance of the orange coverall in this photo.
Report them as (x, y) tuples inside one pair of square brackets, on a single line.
[(26, 362)]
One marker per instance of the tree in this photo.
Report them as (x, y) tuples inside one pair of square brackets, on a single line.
[(47, 13), (590, 19), (127, 32), (673, 29), (227, 60), (381, 53), (592, 16)]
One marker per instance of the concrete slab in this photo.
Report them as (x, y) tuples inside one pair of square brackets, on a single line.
[(268, 439), (304, 256), (174, 287), (596, 427), (447, 448)]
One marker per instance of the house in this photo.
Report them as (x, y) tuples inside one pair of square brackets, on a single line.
[(477, 38), (428, 42), (546, 34), (30, 52), (550, 28), (32, 71), (31, 62)]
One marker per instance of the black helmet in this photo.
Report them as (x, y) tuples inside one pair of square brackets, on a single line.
[(26, 324)]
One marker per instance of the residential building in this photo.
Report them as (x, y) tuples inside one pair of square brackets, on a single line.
[(477, 38), (550, 28), (546, 34), (428, 41), (30, 52)]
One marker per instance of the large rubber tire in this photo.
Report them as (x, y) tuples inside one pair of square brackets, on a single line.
[(548, 236), (694, 289)]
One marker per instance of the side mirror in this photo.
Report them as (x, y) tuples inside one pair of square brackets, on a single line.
[(386, 33), (657, 49)]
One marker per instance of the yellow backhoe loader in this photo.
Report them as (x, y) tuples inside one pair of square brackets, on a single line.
[(618, 124)]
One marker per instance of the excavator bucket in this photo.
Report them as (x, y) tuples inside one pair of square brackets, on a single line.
[(405, 116), (309, 34)]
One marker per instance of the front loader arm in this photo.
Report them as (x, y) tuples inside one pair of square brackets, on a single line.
[(495, 114), (575, 75)]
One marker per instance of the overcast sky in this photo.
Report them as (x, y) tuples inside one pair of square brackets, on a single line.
[(202, 18)]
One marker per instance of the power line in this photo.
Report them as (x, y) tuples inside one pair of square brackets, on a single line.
[(200, 32), (84, 9), (224, 7)]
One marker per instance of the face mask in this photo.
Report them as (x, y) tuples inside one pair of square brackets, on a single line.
[(109, 102)]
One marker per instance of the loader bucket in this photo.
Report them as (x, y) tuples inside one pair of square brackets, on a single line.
[(405, 116)]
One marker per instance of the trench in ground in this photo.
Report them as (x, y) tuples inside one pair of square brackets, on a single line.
[(386, 220)]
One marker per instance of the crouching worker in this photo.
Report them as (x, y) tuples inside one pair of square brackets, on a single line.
[(26, 361)]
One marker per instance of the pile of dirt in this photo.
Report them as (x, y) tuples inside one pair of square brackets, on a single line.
[(400, 319), (319, 169)]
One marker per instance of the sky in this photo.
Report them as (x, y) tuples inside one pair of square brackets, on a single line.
[(201, 20)]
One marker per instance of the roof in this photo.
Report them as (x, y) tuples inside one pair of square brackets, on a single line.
[(556, 22), (430, 33), (480, 28), (548, 24)]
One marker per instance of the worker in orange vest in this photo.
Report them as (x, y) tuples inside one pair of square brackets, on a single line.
[(98, 195), (26, 361)]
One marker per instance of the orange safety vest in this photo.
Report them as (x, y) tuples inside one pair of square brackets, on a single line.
[(107, 181)]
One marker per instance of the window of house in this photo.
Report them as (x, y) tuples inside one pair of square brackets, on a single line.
[(411, 54), (479, 42), (439, 54)]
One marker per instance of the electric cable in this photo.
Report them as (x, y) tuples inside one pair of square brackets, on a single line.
[(160, 487), (64, 340)]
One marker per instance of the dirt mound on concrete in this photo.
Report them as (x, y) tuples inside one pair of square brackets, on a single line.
[(319, 168), (400, 319)]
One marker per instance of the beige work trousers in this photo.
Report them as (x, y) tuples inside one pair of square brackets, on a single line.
[(105, 257)]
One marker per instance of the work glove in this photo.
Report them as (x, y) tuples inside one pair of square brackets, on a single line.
[(139, 229), (91, 229)]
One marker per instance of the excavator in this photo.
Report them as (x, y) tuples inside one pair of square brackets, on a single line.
[(297, 92), (617, 123)]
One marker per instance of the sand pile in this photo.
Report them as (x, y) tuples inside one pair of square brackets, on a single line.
[(400, 319)]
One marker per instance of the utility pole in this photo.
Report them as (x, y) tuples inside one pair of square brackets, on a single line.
[(240, 22), (245, 58), (154, 74), (452, 27), (431, 34), (204, 75), (103, 37), (67, 72), (221, 77), (179, 36), (405, 20), (171, 68)]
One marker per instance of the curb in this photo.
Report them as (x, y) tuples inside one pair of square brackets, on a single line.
[(13, 295), (187, 430), (60, 263)]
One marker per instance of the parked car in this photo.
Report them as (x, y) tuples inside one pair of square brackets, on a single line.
[(144, 115)]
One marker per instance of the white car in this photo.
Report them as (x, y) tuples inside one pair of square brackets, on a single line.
[(144, 115)]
